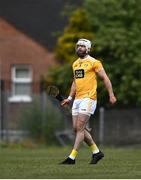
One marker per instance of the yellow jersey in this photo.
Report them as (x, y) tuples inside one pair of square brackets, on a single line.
[(85, 77)]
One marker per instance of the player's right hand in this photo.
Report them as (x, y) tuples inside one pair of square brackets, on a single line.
[(65, 102)]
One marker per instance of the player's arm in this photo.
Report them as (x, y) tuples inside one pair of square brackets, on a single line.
[(102, 74), (71, 94), (73, 89)]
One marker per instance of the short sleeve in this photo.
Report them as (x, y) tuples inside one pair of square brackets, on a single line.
[(97, 66)]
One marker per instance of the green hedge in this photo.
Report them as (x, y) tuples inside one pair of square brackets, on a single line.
[(42, 124)]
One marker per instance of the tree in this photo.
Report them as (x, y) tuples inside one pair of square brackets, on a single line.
[(78, 27), (117, 36), (115, 28)]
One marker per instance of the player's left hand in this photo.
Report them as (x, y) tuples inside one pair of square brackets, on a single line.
[(112, 99)]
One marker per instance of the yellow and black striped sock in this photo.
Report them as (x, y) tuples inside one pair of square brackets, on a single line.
[(73, 154)]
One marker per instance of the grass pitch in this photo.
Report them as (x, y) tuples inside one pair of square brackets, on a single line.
[(42, 163)]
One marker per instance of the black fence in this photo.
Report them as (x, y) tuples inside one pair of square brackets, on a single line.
[(109, 127)]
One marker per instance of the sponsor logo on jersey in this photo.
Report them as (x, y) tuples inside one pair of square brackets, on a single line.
[(79, 73)]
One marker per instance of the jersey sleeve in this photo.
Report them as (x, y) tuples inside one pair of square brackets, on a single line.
[(97, 66)]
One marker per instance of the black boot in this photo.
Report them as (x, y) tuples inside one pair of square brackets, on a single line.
[(68, 161), (96, 157)]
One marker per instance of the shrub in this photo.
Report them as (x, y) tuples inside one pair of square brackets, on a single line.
[(42, 124)]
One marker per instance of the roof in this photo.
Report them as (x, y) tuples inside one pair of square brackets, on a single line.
[(16, 47), (40, 19)]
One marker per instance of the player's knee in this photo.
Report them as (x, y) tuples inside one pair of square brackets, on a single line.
[(79, 128)]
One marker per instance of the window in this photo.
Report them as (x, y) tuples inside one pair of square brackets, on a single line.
[(21, 77)]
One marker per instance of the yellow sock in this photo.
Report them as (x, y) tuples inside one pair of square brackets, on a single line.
[(94, 148), (73, 154)]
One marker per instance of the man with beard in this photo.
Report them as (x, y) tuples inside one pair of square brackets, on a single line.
[(84, 93)]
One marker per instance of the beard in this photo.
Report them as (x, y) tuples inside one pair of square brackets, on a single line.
[(81, 54)]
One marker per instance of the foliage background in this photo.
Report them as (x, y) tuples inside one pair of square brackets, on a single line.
[(41, 122), (114, 27)]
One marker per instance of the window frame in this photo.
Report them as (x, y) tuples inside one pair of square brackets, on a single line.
[(26, 80)]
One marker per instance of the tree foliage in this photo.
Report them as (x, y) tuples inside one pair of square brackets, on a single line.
[(117, 35), (78, 27), (114, 26)]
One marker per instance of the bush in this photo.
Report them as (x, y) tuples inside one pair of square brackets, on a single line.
[(42, 124)]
